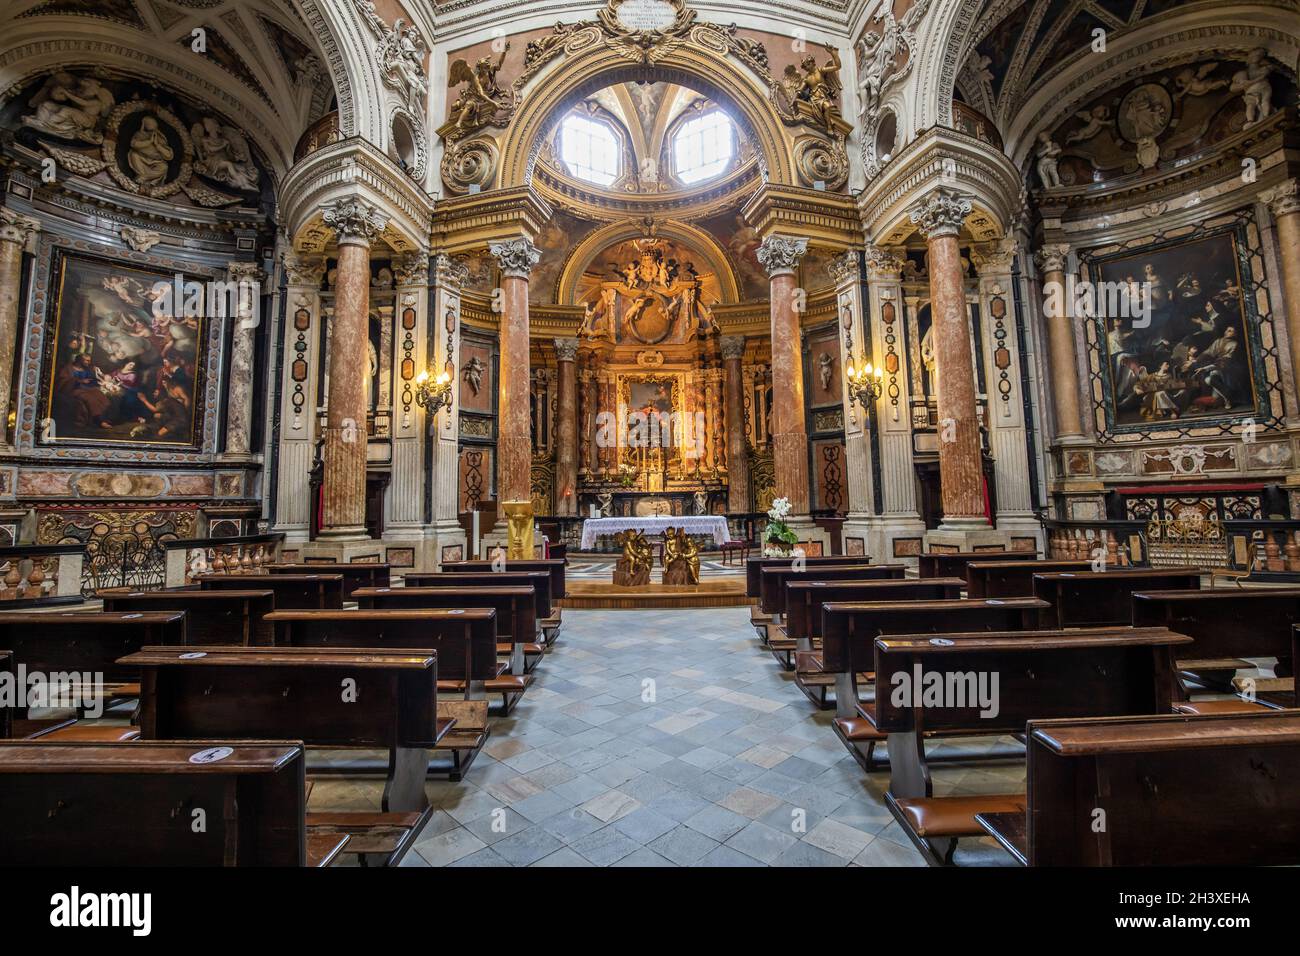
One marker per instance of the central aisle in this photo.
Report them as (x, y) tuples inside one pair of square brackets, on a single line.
[(670, 738)]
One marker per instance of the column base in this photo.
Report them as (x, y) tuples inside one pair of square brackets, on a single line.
[(809, 534), (969, 534)]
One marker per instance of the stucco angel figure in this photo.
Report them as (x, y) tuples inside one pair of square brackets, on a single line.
[(223, 154), (820, 86), (1048, 154), (150, 153), (1195, 82), (1253, 85), (480, 100), (1094, 121), (71, 108)]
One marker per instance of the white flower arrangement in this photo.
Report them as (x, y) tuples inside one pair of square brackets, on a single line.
[(778, 539), (780, 508)]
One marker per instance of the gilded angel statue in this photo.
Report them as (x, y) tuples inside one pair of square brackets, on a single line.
[(482, 97)]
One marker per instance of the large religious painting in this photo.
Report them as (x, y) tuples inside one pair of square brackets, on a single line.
[(1179, 337), (115, 371)]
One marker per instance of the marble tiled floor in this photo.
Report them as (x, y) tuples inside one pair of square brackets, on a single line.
[(669, 738)]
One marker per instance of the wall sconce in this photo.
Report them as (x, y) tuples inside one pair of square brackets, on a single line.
[(866, 384), (433, 394)]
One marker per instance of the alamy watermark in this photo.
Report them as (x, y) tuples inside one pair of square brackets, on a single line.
[(1129, 299), (83, 691)]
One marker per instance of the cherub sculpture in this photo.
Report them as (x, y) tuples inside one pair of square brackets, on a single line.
[(633, 567), (1094, 121), (481, 99), (681, 558), (1195, 82)]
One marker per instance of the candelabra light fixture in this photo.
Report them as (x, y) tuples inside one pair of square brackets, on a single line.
[(866, 384), (433, 393)]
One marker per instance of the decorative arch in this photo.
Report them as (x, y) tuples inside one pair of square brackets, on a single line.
[(582, 255), (555, 91)]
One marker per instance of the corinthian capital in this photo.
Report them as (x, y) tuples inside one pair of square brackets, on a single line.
[(516, 256), (411, 268), (733, 347), (354, 222), (15, 227), (1052, 258), (941, 213), (844, 267), (993, 258), (1283, 199), (566, 349), (780, 255), (885, 262)]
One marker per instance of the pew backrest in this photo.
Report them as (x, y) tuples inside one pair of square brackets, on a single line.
[(952, 564), (1008, 578), (342, 697), (754, 567), (1225, 622), (466, 640), (773, 579), (211, 617), (539, 581), (849, 631), (804, 599), (553, 566), (997, 681), (516, 615), (1176, 790), (293, 592), (358, 574), (1099, 598), (82, 641), (79, 804)]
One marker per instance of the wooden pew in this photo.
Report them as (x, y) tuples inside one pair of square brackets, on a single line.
[(1001, 579), (804, 603), (79, 804), (1227, 623), (8, 710), (1178, 791), (332, 698), (1098, 671), (772, 580), (211, 617), (753, 580), (555, 566), (293, 592), (539, 581), (86, 642), (357, 575), (466, 643), (849, 631), (516, 621), (952, 564), (1100, 598)]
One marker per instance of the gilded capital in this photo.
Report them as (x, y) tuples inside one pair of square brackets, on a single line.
[(516, 256), (780, 255), (941, 213)]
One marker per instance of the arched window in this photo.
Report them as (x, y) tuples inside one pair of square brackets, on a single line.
[(703, 147), (589, 150)]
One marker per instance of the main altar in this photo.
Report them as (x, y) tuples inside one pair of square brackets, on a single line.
[(711, 525)]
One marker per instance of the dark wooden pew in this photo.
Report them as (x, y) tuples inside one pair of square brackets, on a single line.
[(1101, 598), (804, 603), (772, 580), (516, 622), (941, 686), (1007, 578), (1227, 623), (293, 592), (7, 710), (550, 623), (1176, 791), (356, 575), (539, 581), (211, 617), (365, 698), (952, 564), (754, 580), (78, 804), (87, 642), (466, 643), (849, 631)]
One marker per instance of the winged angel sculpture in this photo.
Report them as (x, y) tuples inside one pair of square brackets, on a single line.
[(482, 96), (878, 53)]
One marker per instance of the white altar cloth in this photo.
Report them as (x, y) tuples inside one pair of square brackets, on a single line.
[(715, 525)]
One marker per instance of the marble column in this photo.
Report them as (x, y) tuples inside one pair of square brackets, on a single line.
[(780, 256), (939, 218), (1284, 203), (1061, 341), (246, 280), (356, 225), (607, 403), (404, 356), (566, 428), (514, 441), (16, 231), (587, 430), (443, 431), (733, 351), (300, 345)]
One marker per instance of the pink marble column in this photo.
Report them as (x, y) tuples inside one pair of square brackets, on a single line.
[(961, 482), (780, 256), (566, 428), (514, 441), (733, 351), (1061, 342), (344, 509), (1284, 203), (15, 231)]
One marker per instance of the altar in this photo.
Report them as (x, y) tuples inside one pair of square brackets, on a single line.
[(715, 525)]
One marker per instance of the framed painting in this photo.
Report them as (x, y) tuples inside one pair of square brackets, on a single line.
[(116, 372), (1187, 355)]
